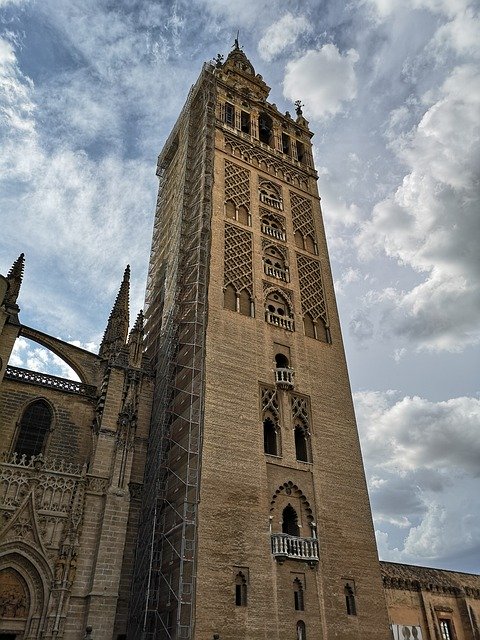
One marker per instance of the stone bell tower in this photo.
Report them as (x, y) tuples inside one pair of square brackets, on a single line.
[(256, 522)]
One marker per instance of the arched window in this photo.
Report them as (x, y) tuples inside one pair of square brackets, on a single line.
[(290, 521), (302, 444), (230, 298), (277, 311), (274, 263), (309, 326), (281, 361), (270, 195), (270, 437), (350, 600), (271, 226), (298, 595), (34, 426), (240, 590), (301, 630)]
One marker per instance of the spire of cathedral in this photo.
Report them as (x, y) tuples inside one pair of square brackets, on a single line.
[(14, 278), (135, 342), (115, 335)]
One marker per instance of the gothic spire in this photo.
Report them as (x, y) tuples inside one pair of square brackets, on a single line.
[(115, 335), (14, 278), (135, 342)]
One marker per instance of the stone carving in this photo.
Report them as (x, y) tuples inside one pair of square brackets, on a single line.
[(270, 401), (14, 600), (302, 216)]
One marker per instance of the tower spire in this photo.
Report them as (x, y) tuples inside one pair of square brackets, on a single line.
[(135, 342), (14, 277), (115, 335)]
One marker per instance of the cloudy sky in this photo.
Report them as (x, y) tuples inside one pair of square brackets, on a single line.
[(89, 91)]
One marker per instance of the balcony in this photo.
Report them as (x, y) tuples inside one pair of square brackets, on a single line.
[(279, 321), (273, 232), (285, 546), (275, 203), (284, 377), (275, 272)]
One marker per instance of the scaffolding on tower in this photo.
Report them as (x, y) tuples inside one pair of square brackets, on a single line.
[(163, 594)]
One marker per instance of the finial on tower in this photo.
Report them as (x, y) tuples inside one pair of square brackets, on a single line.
[(116, 333), (14, 278), (298, 107), (236, 46)]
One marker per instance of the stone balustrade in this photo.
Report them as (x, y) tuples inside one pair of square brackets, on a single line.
[(46, 380), (287, 546), (273, 232), (284, 377), (279, 321)]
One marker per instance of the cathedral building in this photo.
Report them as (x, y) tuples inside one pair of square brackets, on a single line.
[(203, 479)]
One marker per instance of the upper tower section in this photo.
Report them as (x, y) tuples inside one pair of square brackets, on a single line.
[(244, 112)]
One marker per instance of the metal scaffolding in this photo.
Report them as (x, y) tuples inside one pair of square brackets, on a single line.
[(163, 596)]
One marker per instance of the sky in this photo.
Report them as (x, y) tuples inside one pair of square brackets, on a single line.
[(88, 94)]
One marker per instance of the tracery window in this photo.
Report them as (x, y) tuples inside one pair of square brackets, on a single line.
[(302, 443), (270, 195), (278, 312), (274, 263), (34, 426)]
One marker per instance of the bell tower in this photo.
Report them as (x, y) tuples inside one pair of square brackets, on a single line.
[(256, 522)]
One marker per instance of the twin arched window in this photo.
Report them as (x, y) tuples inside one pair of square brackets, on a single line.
[(34, 426)]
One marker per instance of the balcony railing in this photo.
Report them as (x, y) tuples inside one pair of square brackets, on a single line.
[(46, 380), (273, 232), (279, 321), (271, 202), (286, 546), (275, 272), (284, 377)]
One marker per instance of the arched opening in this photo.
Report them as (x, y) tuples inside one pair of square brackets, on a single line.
[(14, 600), (299, 240), (245, 305), (230, 298), (277, 311), (230, 210), (35, 356), (301, 444), (274, 263), (265, 129), (301, 630), (243, 215), (310, 244), (309, 326), (290, 521), (240, 590), (270, 195), (281, 361), (350, 600), (34, 426), (298, 595), (270, 437)]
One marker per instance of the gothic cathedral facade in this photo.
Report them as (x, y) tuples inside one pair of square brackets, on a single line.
[(203, 480)]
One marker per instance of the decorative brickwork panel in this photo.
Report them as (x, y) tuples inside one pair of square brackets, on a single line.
[(270, 402), (311, 288), (238, 259), (300, 409), (302, 216), (237, 185)]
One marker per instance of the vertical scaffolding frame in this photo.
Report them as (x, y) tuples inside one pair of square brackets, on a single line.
[(163, 596)]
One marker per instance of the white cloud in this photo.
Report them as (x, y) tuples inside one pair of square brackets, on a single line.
[(421, 459), (281, 34), (29, 355), (323, 79), (431, 222)]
